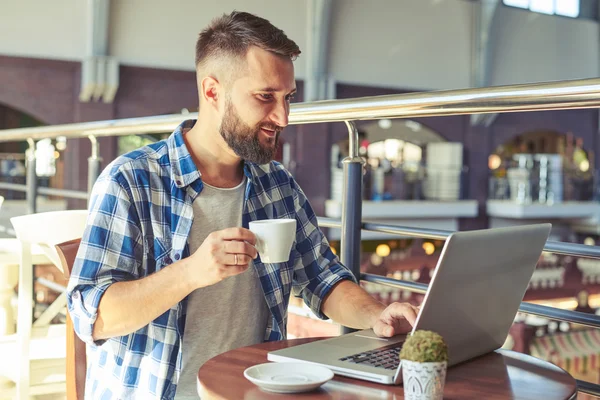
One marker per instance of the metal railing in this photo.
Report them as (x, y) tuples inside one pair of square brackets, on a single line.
[(571, 249), (516, 98)]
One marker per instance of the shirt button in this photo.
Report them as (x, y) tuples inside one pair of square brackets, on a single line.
[(178, 183), (177, 256), (168, 260), (76, 295)]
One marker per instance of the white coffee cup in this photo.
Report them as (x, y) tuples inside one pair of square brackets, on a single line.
[(274, 238)]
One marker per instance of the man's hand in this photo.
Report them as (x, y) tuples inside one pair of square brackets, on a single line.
[(130, 305), (223, 254), (397, 318)]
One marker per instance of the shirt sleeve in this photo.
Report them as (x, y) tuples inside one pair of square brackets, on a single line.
[(317, 269), (110, 251)]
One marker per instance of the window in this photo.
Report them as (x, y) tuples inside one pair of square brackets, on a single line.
[(566, 8)]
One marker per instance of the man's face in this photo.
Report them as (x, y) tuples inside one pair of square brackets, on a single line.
[(257, 107)]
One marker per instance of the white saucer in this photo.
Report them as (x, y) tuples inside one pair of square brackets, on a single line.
[(288, 377)]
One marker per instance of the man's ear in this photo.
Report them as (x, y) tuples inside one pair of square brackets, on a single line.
[(210, 90)]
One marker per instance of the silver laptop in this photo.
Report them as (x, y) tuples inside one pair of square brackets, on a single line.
[(474, 295)]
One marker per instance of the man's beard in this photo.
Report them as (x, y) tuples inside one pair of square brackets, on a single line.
[(244, 140)]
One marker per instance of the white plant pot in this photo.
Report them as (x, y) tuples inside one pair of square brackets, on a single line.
[(423, 381)]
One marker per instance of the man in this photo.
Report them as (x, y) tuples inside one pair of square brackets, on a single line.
[(167, 276)]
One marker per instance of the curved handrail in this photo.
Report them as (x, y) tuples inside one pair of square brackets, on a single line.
[(530, 97)]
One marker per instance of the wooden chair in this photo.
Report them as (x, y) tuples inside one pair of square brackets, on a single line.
[(76, 356)]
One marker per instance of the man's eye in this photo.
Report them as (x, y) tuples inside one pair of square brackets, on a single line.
[(266, 96), (290, 97)]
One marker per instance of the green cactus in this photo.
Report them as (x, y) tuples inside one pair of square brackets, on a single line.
[(424, 346)]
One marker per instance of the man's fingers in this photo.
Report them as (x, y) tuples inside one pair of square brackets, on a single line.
[(232, 270), (236, 259), (396, 319), (401, 310), (410, 314), (241, 234), (236, 270), (233, 260), (239, 247), (388, 331), (382, 329)]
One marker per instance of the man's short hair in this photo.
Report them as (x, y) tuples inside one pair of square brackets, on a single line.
[(232, 34)]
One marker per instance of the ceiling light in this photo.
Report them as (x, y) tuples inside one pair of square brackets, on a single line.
[(385, 123)]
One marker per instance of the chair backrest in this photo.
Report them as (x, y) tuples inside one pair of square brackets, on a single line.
[(49, 228), (76, 357), (44, 230)]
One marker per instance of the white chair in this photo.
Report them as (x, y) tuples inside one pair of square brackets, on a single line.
[(39, 348), (9, 276)]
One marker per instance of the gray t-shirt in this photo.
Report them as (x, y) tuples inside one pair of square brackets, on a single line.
[(230, 314)]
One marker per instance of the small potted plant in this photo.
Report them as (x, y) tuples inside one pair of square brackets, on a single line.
[(424, 358)]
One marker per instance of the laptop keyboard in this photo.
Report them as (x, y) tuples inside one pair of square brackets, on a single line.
[(384, 357)]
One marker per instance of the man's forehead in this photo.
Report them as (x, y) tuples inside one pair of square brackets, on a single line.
[(270, 71)]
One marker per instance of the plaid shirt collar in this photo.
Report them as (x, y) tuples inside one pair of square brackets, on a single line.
[(183, 169)]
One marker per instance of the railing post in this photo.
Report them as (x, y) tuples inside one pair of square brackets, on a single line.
[(94, 162), (352, 207), (31, 179)]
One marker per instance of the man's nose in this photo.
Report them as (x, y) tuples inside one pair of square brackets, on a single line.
[(280, 114)]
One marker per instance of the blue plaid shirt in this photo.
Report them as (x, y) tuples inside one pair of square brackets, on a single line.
[(139, 222)]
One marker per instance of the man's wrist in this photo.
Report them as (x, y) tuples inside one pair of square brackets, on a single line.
[(375, 312), (185, 268)]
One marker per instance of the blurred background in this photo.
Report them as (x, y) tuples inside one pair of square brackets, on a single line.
[(66, 61)]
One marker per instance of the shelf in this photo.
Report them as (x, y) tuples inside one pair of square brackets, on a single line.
[(412, 209), (566, 210)]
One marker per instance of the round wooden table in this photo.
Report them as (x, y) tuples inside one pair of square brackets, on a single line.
[(499, 375)]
